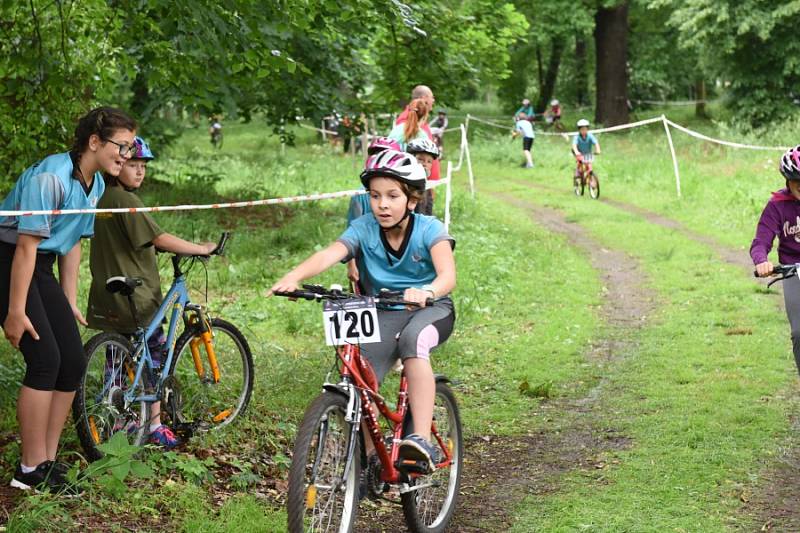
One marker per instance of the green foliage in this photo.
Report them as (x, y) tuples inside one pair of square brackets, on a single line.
[(39, 512), (53, 66), (119, 462), (165, 60), (191, 468), (750, 44)]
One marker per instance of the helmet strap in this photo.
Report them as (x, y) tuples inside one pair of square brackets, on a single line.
[(399, 222)]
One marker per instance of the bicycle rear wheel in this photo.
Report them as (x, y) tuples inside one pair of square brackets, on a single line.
[(429, 508), (209, 401), (594, 186), (322, 496), (99, 409)]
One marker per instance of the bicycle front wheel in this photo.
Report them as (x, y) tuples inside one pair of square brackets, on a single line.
[(578, 185), (430, 505), (594, 186), (215, 381), (99, 408), (322, 496)]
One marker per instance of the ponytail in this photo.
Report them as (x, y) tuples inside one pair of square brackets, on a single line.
[(103, 122), (417, 113)]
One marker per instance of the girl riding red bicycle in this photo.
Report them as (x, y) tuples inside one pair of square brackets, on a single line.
[(398, 250)]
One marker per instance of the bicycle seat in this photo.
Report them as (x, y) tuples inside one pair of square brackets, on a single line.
[(122, 285)]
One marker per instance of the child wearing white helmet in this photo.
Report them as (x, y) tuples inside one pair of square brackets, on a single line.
[(584, 143), (426, 152), (398, 249)]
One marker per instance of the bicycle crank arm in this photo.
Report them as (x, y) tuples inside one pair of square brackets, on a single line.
[(405, 489)]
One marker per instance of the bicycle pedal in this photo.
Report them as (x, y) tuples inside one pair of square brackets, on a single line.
[(413, 466)]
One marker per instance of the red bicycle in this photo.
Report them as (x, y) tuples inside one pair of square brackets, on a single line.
[(586, 176), (325, 475)]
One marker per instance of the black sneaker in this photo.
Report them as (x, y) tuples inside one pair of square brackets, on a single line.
[(47, 476)]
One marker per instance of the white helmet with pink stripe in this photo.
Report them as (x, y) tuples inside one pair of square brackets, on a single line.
[(394, 164)]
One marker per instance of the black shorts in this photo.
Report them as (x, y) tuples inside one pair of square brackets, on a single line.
[(527, 142), (56, 361)]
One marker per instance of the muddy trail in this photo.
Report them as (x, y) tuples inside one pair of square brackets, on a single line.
[(728, 254), (499, 472), (773, 504)]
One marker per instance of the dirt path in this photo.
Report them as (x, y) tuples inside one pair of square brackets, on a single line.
[(726, 253), (774, 502), (492, 485)]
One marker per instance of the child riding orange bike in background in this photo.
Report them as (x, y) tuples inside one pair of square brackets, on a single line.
[(584, 146), (398, 250)]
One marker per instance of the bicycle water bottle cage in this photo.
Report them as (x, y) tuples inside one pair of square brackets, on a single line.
[(122, 285)]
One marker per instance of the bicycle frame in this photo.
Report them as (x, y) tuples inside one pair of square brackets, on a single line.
[(585, 168), (349, 355), (177, 304)]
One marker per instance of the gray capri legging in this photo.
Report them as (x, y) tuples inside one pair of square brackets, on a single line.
[(406, 334), (791, 297)]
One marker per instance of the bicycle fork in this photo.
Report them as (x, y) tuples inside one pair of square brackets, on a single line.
[(195, 318)]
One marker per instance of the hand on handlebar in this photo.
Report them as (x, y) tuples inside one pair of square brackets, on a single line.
[(285, 284), (579, 158), (417, 296), (764, 269)]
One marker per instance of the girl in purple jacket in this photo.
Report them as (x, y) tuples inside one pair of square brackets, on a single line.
[(781, 218)]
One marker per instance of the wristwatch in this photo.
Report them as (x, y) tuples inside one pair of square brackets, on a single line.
[(430, 289)]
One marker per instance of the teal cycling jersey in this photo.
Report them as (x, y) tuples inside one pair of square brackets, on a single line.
[(50, 185), (359, 206), (398, 134), (380, 268), (584, 144)]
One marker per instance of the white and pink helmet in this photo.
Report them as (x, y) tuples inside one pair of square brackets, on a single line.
[(394, 164), (380, 144), (790, 164)]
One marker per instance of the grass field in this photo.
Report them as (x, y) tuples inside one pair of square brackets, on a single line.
[(701, 394)]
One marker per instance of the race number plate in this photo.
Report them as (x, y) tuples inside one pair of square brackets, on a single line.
[(350, 322)]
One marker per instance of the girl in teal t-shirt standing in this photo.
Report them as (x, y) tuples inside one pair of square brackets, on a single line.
[(38, 310)]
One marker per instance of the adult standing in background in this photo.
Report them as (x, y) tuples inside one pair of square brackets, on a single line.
[(424, 93)]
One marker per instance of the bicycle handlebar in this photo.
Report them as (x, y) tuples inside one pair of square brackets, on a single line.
[(318, 292), (781, 271), (223, 240)]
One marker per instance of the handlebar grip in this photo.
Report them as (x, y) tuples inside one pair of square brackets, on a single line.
[(223, 240), (297, 294)]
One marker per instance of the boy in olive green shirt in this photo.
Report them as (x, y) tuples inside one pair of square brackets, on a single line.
[(124, 244)]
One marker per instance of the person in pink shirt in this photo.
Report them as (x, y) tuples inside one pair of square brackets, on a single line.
[(422, 92)]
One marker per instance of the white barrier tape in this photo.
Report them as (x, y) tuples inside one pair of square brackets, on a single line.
[(190, 207), (489, 123), (622, 126), (673, 102), (306, 126), (725, 143)]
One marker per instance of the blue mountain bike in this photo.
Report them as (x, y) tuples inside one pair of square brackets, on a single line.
[(204, 381)]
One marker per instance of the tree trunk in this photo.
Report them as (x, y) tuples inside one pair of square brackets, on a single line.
[(581, 72), (539, 67), (611, 75), (700, 95), (549, 85), (141, 96)]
